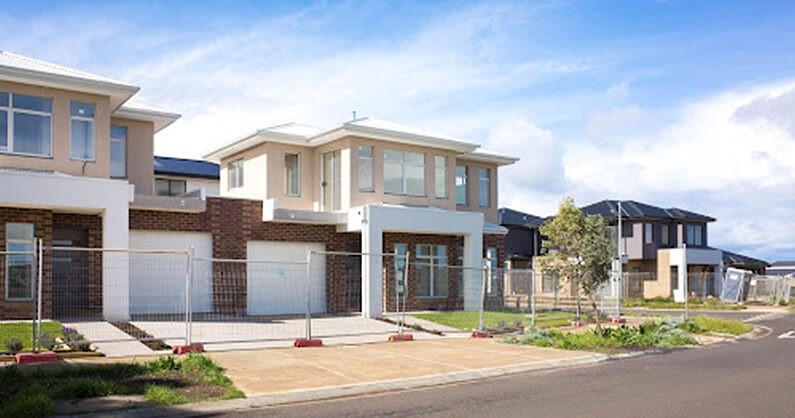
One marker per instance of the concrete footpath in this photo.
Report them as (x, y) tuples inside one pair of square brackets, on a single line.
[(283, 376)]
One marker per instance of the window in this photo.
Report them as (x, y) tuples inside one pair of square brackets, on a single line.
[(169, 187), (440, 176), (493, 283), (235, 174), (484, 187), (365, 169), (118, 151), (82, 139), (25, 124), (664, 231), (648, 236), (400, 267), (549, 282), (461, 192), (19, 264), (404, 173), (332, 180), (292, 165), (694, 235), (431, 270)]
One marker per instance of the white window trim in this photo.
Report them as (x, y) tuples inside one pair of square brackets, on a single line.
[(372, 167), (432, 262), (481, 170), (232, 169), (287, 190), (117, 140), (93, 137), (7, 265), (10, 111), (436, 194), (403, 178)]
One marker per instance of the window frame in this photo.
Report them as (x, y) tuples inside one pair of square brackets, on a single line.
[(235, 174), (92, 130), (648, 233), (665, 234), (481, 189), (697, 235), (288, 179), (11, 111), (31, 242), (123, 141), (431, 261), (404, 163), (170, 182), (369, 175), (464, 182), (437, 172)]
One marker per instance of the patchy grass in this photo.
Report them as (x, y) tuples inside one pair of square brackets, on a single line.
[(708, 324), (23, 332), (495, 319), (34, 391), (693, 303)]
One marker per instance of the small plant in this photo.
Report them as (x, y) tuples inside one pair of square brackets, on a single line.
[(13, 345), (75, 340), (162, 364), (782, 302), (47, 341)]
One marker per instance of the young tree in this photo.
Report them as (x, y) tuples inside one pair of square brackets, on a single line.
[(579, 250)]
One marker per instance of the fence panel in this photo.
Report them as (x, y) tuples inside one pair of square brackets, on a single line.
[(18, 271), (769, 289)]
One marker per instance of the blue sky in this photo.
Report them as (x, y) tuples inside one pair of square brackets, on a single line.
[(675, 103)]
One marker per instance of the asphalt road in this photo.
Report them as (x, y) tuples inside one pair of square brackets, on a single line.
[(742, 379)]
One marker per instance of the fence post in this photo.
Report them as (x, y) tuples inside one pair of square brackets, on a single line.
[(402, 321), (309, 295), (188, 297), (40, 273), (485, 275), (533, 296)]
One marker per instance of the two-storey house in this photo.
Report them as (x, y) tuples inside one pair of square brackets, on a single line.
[(388, 188)]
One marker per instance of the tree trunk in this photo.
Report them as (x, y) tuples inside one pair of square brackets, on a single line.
[(596, 315)]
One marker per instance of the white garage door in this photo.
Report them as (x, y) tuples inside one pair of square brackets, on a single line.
[(157, 281), (277, 278)]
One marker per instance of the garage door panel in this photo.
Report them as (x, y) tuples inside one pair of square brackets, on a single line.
[(157, 281), (277, 278)]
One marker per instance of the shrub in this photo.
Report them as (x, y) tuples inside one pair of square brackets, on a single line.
[(32, 402), (75, 340), (47, 341), (162, 364), (13, 345), (540, 337)]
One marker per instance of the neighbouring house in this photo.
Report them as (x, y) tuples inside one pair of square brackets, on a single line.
[(523, 241), (77, 162), (781, 268), (379, 187), (745, 262), (662, 247), (179, 176)]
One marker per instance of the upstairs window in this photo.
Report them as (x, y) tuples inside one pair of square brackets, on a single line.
[(404, 173), (694, 234), (440, 176), (118, 151), (484, 188), (461, 191), (665, 230), (365, 169), (648, 233), (170, 187), (292, 165), (235, 169), (82, 131), (25, 124), (19, 261)]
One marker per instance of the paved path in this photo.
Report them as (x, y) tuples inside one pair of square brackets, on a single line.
[(109, 339), (742, 379)]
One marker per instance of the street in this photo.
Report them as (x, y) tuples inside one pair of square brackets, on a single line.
[(746, 378)]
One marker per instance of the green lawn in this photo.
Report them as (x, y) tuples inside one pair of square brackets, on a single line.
[(22, 331), (34, 392), (722, 326), (492, 319), (668, 303)]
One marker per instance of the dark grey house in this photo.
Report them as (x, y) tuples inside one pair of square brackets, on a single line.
[(523, 241)]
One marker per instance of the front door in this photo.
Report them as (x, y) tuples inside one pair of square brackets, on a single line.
[(70, 290)]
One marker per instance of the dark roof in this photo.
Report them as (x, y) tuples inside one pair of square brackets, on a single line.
[(783, 264), (186, 168), (731, 258), (631, 209), (510, 217)]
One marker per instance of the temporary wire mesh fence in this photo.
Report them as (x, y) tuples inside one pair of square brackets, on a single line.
[(20, 292), (770, 289)]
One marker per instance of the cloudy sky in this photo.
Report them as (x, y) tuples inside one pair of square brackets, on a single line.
[(674, 103)]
